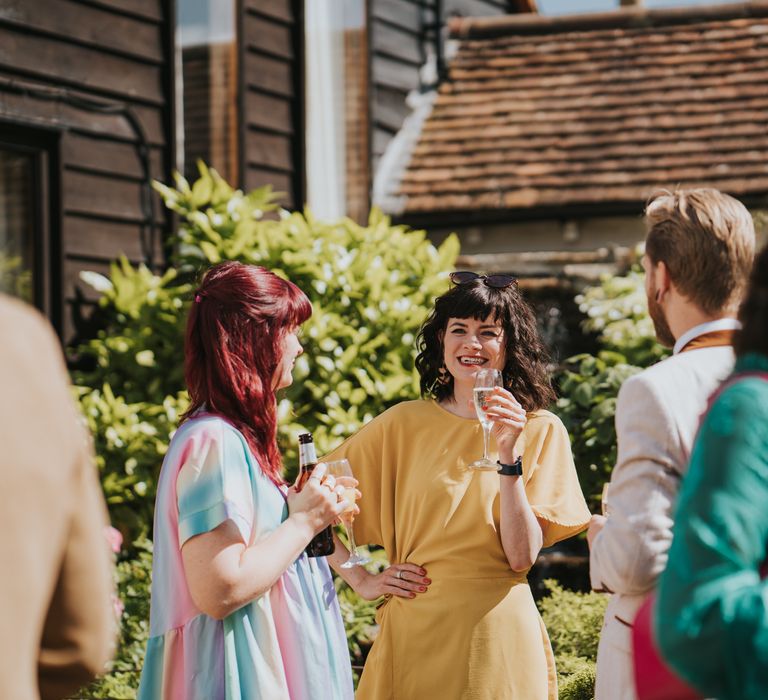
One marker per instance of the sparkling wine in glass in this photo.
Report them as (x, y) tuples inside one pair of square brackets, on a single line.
[(340, 468), (485, 381)]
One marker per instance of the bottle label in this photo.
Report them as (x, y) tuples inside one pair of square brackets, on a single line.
[(307, 456)]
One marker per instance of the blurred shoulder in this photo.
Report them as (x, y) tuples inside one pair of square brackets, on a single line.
[(22, 327)]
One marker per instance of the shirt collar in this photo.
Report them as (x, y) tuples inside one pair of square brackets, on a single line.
[(721, 324)]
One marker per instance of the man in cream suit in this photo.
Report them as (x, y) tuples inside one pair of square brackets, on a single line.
[(58, 622), (698, 254)]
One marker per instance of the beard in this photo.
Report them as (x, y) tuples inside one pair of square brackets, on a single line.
[(660, 325)]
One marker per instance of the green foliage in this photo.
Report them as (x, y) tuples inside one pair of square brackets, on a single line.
[(574, 621), (580, 685), (371, 287), (133, 574), (130, 441), (587, 405), (14, 278), (618, 311), (589, 385), (140, 347)]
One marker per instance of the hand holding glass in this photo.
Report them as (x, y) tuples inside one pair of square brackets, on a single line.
[(485, 381), (340, 468)]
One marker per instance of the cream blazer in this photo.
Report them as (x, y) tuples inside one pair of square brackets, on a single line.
[(657, 417), (58, 623)]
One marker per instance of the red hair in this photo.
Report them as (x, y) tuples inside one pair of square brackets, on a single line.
[(232, 349)]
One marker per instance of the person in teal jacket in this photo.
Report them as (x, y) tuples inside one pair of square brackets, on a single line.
[(711, 618)]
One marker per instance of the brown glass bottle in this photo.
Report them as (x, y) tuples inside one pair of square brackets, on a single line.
[(321, 545)]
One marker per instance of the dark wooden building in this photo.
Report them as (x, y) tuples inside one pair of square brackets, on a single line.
[(88, 91), (550, 133), (86, 120), (245, 104)]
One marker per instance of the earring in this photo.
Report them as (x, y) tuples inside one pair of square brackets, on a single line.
[(443, 375)]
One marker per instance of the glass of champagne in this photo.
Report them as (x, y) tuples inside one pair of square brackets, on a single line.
[(485, 381), (340, 468)]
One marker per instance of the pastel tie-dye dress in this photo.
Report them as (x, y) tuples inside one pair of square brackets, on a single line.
[(289, 642)]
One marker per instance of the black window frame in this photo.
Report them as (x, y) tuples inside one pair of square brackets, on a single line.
[(44, 146)]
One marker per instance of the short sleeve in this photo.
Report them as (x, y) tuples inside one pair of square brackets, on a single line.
[(214, 483), (551, 483), (365, 453)]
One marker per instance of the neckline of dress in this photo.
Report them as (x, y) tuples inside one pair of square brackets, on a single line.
[(453, 415)]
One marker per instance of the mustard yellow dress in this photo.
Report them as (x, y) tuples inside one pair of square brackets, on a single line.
[(476, 633)]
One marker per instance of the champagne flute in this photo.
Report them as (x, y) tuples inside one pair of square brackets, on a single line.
[(604, 499), (340, 468), (485, 381)]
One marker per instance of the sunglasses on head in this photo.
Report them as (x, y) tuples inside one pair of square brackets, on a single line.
[(494, 281)]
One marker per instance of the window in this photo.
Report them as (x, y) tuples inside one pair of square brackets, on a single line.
[(28, 268), (16, 223), (206, 36), (337, 138)]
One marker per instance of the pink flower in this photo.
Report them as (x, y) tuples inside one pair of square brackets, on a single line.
[(114, 537), (117, 606)]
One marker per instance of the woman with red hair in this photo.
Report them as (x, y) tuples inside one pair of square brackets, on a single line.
[(238, 610)]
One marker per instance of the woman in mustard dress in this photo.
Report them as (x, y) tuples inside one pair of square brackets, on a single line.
[(458, 618)]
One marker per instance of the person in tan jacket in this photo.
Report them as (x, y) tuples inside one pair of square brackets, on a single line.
[(698, 253), (57, 624)]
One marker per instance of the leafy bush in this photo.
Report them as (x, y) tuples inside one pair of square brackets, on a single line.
[(589, 387), (133, 574), (370, 286), (580, 685), (617, 309), (130, 441), (574, 621)]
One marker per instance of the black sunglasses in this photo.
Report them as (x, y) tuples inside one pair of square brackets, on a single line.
[(494, 281)]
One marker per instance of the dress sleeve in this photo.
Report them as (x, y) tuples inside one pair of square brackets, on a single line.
[(365, 453), (214, 483), (712, 608), (551, 483)]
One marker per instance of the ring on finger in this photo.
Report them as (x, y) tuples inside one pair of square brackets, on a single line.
[(399, 574)]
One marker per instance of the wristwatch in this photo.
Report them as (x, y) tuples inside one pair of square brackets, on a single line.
[(514, 469)]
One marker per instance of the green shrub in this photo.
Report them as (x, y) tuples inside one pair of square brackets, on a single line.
[(371, 287), (580, 685), (130, 440), (573, 621), (617, 309), (133, 573), (589, 387)]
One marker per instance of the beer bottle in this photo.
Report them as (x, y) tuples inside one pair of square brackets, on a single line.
[(321, 545)]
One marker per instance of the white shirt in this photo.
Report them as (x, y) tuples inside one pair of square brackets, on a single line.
[(721, 324)]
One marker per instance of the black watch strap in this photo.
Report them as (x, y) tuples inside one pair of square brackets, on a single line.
[(514, 469)]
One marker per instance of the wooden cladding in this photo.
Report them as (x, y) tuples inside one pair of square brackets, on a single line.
[(402, 37), (67, 68)]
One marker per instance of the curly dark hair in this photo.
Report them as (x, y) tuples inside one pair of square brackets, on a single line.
[(753, 336), (525, 370)]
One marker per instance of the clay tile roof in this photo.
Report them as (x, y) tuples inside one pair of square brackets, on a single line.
[(593, 109)]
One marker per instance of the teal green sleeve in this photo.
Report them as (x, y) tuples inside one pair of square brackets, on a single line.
[(712, 614)]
